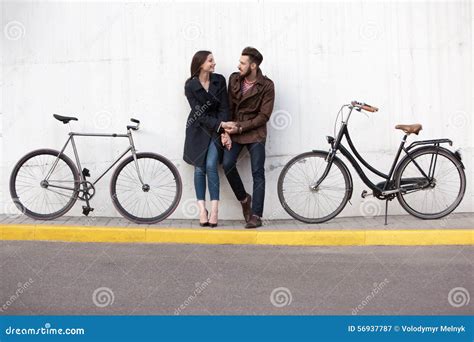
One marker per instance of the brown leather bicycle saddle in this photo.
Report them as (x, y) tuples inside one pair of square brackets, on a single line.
[(408, 129)]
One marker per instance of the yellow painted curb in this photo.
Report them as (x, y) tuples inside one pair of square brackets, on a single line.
[(405, 237)]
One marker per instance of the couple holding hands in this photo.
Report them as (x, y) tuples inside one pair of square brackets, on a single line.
[(221, 123)]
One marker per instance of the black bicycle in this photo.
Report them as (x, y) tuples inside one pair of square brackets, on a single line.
[(429, 181), (145, 187)]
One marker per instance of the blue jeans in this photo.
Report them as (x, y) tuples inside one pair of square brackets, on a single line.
[(257, 160), (212, 175)]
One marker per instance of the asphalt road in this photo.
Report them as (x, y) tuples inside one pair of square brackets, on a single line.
[(57, 278)]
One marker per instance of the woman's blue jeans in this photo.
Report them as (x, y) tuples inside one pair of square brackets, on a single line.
[(212, 175)]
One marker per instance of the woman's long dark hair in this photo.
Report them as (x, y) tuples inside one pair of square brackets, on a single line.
[(198, 59)]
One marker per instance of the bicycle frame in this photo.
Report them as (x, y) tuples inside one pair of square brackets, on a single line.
[(384, 188), (131, 148)]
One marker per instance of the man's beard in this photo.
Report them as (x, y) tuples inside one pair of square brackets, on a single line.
[(248, 72)]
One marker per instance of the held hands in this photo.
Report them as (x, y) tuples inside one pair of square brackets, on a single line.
[(226, 140), (230, 127)]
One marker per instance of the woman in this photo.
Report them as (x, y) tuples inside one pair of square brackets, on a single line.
[(205, 135)]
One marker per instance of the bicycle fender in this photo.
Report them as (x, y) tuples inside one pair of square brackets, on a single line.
[(456, 155)]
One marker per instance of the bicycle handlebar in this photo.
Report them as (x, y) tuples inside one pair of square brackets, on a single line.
[(364, 106)]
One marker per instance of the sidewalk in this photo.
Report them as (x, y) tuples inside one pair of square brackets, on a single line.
[(456, 229)]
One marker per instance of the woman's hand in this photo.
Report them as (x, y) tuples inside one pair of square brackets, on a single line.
[(226, 140)]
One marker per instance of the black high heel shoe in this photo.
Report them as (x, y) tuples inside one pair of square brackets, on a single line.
[(212, 225), (205, 224)]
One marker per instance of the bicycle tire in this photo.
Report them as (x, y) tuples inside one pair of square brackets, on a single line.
[(337, 164), (14, 185), (417, 154), (120, 206)]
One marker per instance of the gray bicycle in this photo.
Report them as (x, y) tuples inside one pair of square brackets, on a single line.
[(145, 187)]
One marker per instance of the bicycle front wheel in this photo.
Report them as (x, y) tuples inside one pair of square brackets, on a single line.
[(44, 184), (296, 187), (435, 199), (148, 190)]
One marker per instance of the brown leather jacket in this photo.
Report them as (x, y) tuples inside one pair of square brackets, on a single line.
[(252, 110)]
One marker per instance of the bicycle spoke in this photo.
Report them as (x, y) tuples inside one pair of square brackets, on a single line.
[(51, 200), (305, 203), (150, 204), (438, 198)]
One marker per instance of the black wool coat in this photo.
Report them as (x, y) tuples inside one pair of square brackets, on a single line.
[(208, 110)]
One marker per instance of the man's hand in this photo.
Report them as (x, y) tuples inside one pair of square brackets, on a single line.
[(230, 127), (229, 124)]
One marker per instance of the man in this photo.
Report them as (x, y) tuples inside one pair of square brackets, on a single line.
[(251, 97)]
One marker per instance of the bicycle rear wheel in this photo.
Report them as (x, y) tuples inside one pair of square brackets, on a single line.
[(44, 184), (438, 198), (156, 198), (309, 205)]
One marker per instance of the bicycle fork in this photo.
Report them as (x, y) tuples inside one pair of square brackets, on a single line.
[(329, 160), (135, 159)]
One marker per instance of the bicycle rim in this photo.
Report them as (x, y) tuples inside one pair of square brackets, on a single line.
[(156, 198), (39, 197), (447, 191), (309, 205)]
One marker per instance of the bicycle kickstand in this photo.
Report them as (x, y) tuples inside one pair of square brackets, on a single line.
[(386, 211)]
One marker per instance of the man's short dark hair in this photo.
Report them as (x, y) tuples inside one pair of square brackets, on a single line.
[(253, 54)]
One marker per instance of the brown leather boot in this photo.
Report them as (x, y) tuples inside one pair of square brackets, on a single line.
[(254, 222), (247, 208)]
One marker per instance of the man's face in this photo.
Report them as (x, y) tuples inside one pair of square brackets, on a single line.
[(244, 66)]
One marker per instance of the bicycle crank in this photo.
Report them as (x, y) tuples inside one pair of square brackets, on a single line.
[(87, 193)]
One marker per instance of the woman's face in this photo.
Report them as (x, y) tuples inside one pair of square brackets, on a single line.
[(209, 64)]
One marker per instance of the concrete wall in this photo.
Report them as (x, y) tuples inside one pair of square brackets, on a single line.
[(106, 62)]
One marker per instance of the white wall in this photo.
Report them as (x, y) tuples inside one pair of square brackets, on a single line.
[(107, 62)]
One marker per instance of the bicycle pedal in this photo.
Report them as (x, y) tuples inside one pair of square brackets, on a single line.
[(86, 210), (86, 172)]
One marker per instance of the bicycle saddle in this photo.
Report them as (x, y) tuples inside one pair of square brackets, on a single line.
[(64, 119), (408, 129)]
